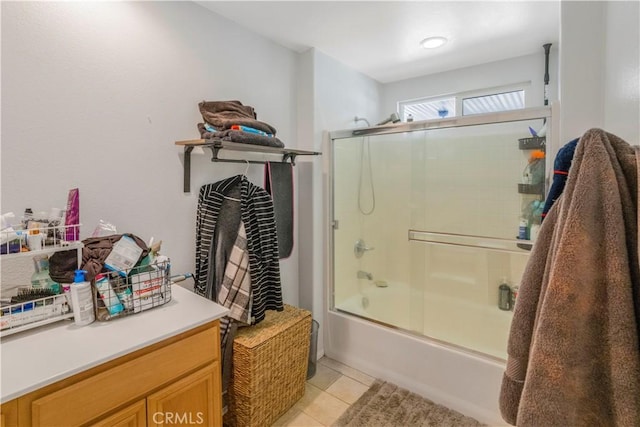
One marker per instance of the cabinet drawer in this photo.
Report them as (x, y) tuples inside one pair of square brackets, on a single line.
[(97, 395)]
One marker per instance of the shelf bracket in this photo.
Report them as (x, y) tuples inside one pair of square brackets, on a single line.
[(287, 156), (214, 152), (187, 168)]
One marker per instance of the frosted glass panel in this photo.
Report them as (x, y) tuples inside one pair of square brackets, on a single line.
[(427, 229)]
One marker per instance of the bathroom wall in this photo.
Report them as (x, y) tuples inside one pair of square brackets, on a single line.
[(333, 96), (622, 70), (523, 69), (599, 66), (94, 94), (581, 67)]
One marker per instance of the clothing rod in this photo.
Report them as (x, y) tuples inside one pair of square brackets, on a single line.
[(255, 162)]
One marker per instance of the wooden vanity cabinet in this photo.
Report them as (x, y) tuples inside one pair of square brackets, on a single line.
[(176, 381), (9, 414)]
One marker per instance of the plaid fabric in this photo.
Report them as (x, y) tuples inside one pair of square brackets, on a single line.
[(256, 211), (235, 293)]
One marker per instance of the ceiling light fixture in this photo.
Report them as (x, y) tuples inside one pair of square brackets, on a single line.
[(433, 42)]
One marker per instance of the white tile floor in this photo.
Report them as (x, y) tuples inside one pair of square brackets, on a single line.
[(327, 395)]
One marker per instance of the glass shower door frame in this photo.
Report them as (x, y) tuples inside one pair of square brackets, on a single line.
[(547, 113)]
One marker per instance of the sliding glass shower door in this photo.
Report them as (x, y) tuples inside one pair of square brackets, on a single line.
[(429, 231)]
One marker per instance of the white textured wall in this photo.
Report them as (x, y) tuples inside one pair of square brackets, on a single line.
[(94, 94), (599, 68), (582, 43), (622, 70), (339, 94)]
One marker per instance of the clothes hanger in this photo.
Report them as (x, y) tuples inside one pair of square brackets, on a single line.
[(246, 170), (244, 176)]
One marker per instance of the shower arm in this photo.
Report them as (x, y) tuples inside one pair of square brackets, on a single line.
[(358, 119)]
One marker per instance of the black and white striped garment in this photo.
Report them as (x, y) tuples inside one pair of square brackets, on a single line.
[(257, 214)]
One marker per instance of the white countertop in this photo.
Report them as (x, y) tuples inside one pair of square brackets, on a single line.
[(38, 357)]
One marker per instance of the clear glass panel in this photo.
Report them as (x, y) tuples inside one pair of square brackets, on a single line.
[(493, 103), (428, 226)]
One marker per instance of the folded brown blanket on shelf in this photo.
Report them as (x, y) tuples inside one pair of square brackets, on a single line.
[(573, 351), (224, 114), (241, 137)]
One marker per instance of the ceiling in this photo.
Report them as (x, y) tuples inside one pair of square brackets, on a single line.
[(381, 39)]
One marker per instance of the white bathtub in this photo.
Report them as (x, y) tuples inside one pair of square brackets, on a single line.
[(466, 381), (386, 305)]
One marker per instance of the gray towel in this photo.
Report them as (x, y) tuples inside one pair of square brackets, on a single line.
[(278, 181)]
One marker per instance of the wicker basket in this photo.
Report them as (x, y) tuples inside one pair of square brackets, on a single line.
[(269, 367)]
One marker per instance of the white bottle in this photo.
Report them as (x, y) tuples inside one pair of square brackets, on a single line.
[(82, 300)]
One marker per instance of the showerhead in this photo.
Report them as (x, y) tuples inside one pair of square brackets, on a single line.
[(392, 118)]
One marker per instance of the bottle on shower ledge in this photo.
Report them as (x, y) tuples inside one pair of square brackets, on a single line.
[(523, 229), (504, 296)]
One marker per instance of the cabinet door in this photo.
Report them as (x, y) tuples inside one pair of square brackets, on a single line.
[(132, 416), (194, 400), (9, 414)]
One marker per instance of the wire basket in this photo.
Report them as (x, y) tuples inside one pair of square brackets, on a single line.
[(37, 312), (120, 293), (19, 242)]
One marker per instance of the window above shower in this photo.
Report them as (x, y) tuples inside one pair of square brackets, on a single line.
[(491, 100)]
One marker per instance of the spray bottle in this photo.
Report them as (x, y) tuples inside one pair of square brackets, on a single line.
[(82, 299)]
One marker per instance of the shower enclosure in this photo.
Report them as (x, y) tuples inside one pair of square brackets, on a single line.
[(431, 224)]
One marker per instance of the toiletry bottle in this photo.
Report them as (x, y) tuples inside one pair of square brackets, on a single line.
[(523, 228), (82, 300), (40, 278), (66, 289), (504, 297), (514, 296), (28, 216)]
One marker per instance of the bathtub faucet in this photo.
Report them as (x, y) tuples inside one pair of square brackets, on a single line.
[(360, 248), (365, 275)]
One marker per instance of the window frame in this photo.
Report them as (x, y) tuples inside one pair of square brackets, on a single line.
[(460, 96)]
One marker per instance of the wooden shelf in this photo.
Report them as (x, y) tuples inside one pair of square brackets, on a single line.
[(215, 145)]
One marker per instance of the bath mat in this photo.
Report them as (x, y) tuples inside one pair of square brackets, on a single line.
[(385, 404), (278, 181)]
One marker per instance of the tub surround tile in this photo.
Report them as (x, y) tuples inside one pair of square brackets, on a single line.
[(324, 377), (346, 389), (361, 377)]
